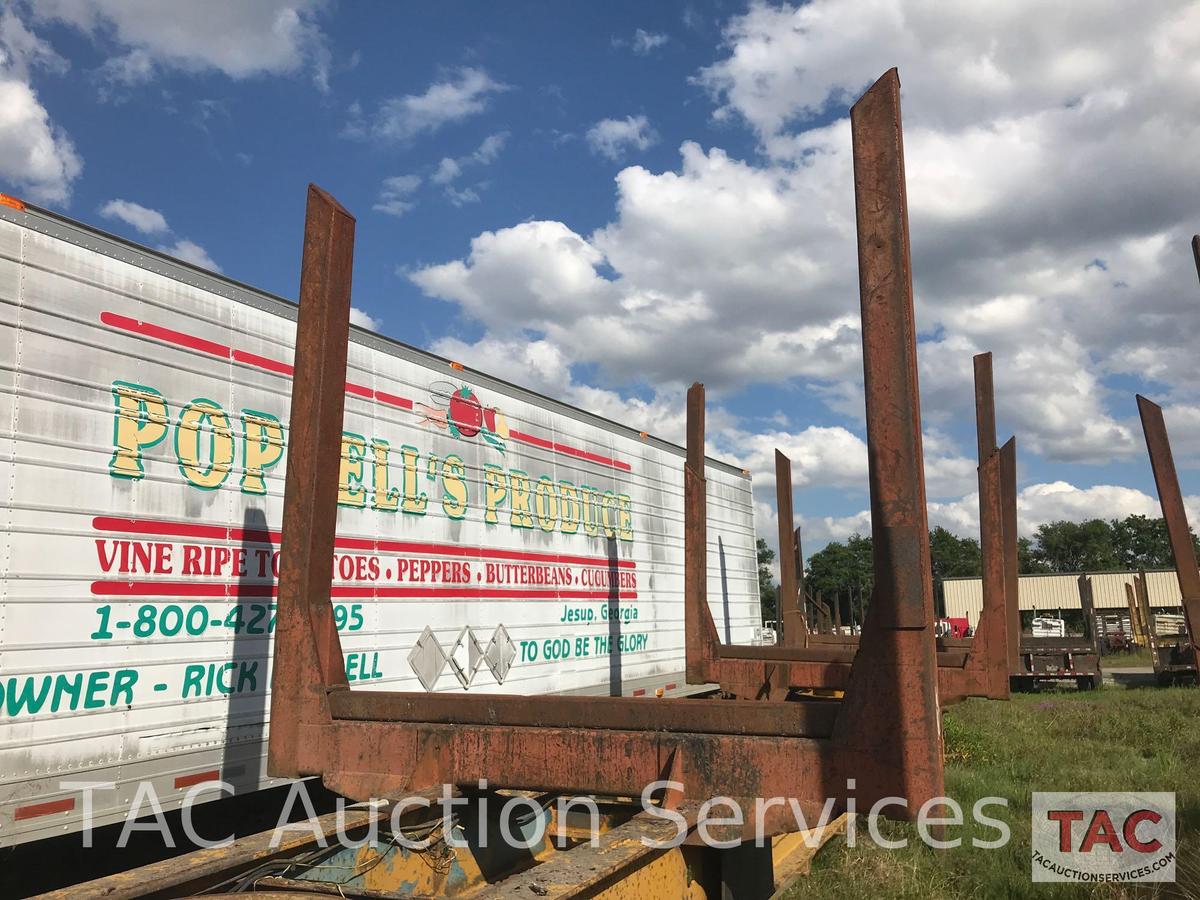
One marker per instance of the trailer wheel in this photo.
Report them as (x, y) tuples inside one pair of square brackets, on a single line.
[(1086, 682)]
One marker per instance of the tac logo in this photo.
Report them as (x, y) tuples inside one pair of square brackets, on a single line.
[(1101, 837), (457, 409)]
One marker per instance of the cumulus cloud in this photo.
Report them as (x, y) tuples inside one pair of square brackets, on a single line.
[(1038, 147), (37, 157), (465, 93), (238, 39), (1037, 504), (395, 195), (363, 320), (613, 138), (190, 251), (450, 169), (152, 223), (145, 220)]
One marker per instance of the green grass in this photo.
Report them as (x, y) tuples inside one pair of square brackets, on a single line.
[(1113, 739), (1139, 658)]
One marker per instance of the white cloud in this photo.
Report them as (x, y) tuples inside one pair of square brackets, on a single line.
[(464, 94), (37, 157), (613, 138), (1037, 504), (395, 195), (532, 275), (236, 38), (364, 320), (147, 221), (450, 169), (643, 42), (151, 222), (190, 251), (460, 197), (490, 148), (1036, 144), (1049, 211)]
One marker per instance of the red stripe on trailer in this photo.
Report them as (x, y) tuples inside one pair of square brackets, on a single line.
[(179, 338), (640, 692), (669, 687), (223, 533), (262, 362), (170, 336), (393, 400), (66, 804), (568, 450), (531, 439), (184, 781), (209, 589)]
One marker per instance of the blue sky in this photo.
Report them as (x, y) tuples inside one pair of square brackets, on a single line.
[(607, 201)]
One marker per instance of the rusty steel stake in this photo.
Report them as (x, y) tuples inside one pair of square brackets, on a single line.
[(700, 632), (1012, 571), (789, 591), (1008, 578), (1170, 498), (904, 732), (310, 495)]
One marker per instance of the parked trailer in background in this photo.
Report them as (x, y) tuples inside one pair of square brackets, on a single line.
[(489, 538), (1049, 653)]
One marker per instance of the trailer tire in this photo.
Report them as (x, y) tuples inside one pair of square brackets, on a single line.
[(1086, 682)]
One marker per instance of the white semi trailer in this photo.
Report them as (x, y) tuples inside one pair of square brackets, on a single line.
[(489, 538)]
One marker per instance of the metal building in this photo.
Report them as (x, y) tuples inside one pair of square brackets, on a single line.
[(964, 596)]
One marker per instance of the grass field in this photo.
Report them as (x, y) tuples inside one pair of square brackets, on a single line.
[(1113, 739), (1138, 658)]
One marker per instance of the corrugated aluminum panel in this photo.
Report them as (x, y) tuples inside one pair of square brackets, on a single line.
[(964, 596), (143, 433)]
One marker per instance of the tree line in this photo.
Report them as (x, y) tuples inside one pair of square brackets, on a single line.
[(843, 569)]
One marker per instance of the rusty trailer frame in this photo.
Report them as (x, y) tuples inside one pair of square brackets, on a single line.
[(886, 734), (1174, 660), (1030, 660), (976, 667), (882, 742), (965, 668)]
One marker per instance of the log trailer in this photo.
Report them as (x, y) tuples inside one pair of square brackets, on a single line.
[(387, 750)]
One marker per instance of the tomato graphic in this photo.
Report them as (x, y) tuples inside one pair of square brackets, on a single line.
[(466, 413)]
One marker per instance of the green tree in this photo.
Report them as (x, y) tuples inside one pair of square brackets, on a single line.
[(1077, 546), (952, 556), (768, 591), (839, 571), (1141, 542), (1028, 561)]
